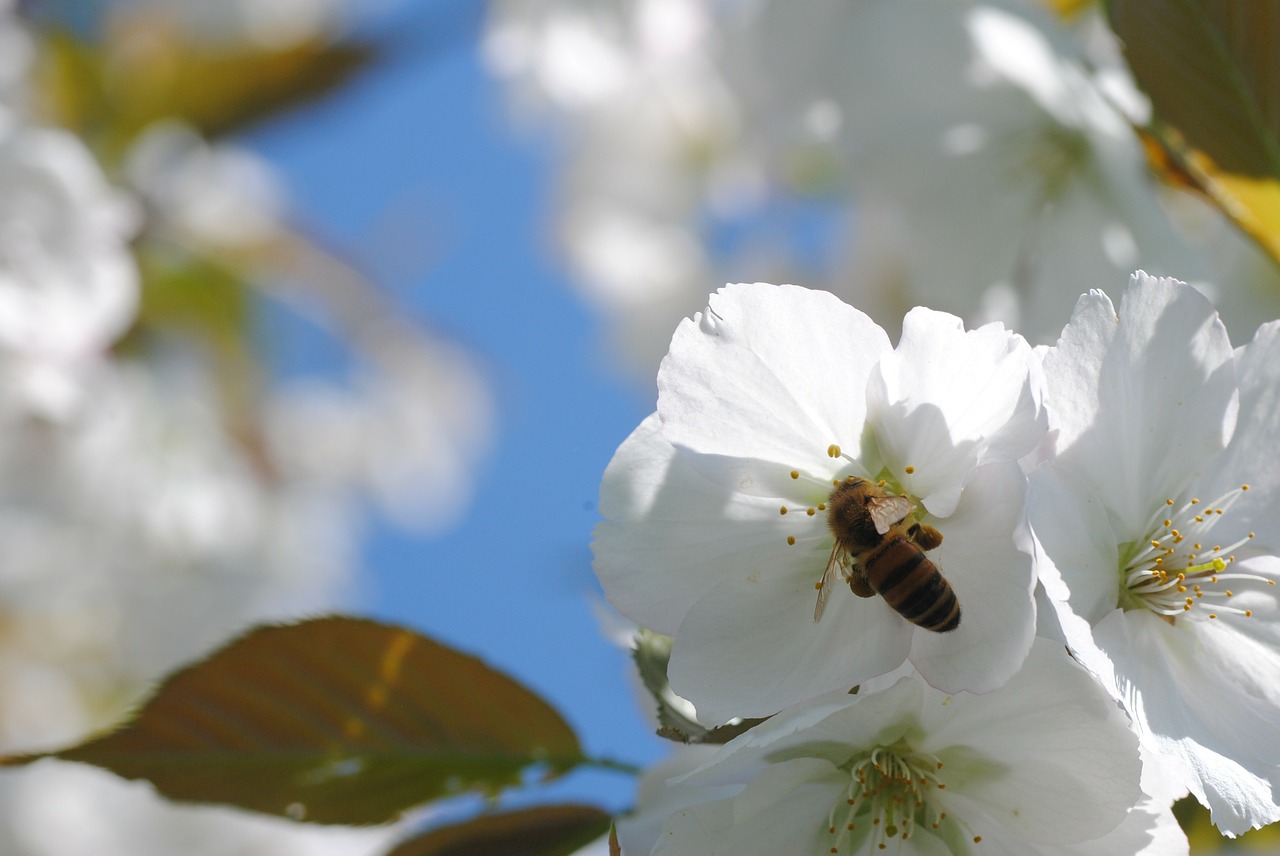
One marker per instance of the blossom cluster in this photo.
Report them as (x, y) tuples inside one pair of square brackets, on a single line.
[(147, 509), (848, 145), (1061, 611)]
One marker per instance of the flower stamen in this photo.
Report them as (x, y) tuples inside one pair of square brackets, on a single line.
[(1169, 574), (890, 794)]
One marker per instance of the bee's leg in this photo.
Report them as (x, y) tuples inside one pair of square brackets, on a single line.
[(858, 582), (924, 536)]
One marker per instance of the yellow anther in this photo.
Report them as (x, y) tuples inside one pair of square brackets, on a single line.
[(1213, 615), (791, 541), (1248, 613), (822, 506), (1168, 502), (909, 469), (782, 510), (795, 474), (810, 511), (1244, 487), (833, 451)]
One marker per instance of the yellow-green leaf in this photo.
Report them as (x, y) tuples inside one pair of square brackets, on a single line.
[(1211, 71), (333, 720), (1068, 9), (144, 72), (555, 830)]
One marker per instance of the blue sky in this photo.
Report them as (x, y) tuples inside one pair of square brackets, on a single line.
[(426, 142)]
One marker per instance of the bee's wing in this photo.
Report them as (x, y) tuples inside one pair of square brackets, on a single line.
[(828, 581), (887, 510)]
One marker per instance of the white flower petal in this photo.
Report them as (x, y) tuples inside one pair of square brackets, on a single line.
[(1149, 830), (775, 373), (670, 535), (1250, 458), (751, 648), (657, 798), (947, 400), (1073, 787), (827, 727), (782, 810), (994, 582), (1072, 525), (1140, 398), (1194, 691)]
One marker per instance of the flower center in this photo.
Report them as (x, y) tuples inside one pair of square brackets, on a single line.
[(892, 793), (1177, 571)]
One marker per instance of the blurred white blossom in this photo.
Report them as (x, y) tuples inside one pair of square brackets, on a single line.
[(149, 506), (216, 194), (407, 428), (988, 171), (68, 283), (71, 810)]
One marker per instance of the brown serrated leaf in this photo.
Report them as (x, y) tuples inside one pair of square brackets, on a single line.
[(555, 830), (333, 720)]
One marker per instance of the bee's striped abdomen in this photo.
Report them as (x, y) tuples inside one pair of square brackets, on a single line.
[(909, 582)]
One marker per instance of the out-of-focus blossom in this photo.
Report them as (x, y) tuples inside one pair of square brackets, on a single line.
[(69, 810), (408, 428), (767, 399), (909, 768), (214, 194), (997, 114), (148, 509), (68, 283), (988, 171), (139, 536), (1159, 519)]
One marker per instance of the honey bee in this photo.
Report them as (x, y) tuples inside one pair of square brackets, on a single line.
[(881, 551)]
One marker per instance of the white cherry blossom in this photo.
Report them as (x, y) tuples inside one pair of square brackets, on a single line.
[(716, 526), (68, 284), (912, 770), (1159, 522)]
